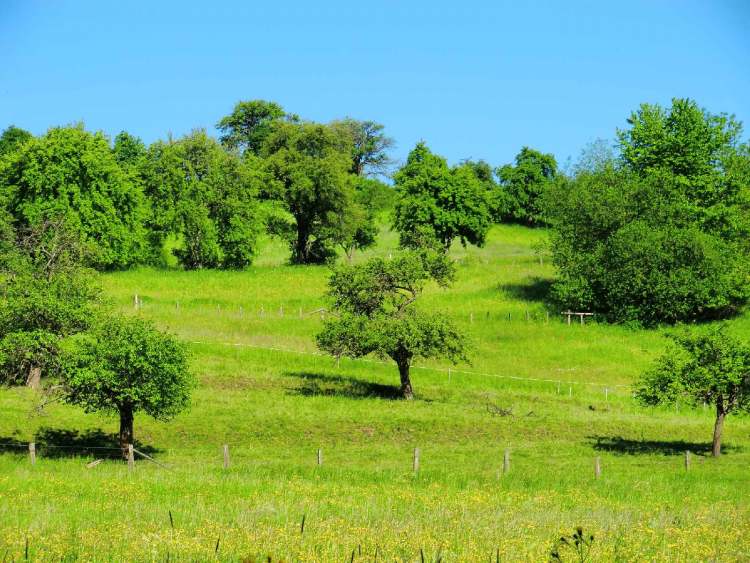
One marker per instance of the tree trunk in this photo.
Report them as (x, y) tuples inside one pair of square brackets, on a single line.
[(126, 428), (406, 391), (718, 428), (34, 378), (301, 244)]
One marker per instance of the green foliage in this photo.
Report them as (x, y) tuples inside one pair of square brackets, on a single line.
[(126, 364), (128, 149), (523, 185), (705, 366), (655, 240), (308, 172), (12, 138), (72, 173), (368, 144), (448, 203), (204, 196), (374, 195), (246, 128), (47, 296), (376, 314)]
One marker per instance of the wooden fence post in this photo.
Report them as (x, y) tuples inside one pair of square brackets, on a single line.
[(131, 459), (32, 453), (506, 461), (320, 456), (606, 393), (687, 460), (177, 305), (415, 464), (136, 302), (471, 318), (597, 467), (226, 456)]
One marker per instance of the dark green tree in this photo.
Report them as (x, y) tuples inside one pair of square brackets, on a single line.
[(12, 138), (652, 239), (376, 314), (523, 185), (72, 173), (707, 366), (206, 198), (449, 203), (125, 365), (309, 173), (246, 128)]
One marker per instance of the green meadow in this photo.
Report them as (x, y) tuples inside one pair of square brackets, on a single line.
[(555, 396)]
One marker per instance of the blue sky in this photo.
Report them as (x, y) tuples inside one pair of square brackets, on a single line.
[(472, 79)]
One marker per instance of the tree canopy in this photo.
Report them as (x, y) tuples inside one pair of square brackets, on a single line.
[(368, 144), (447, 203), (246, 128), (72, 173), (657, 240), (308, 172), (206, 198), (706, 366), (375, 307), (13, 137), (125, 365), (523, 184)]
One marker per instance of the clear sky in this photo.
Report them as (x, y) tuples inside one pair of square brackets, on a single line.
[(472, 79)]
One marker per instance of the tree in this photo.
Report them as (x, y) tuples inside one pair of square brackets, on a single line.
[(47, 296), (375, 310), (368, 144), (524, 184), (707, 366), (125, 365), (72, 173), (128, 149), (204, 196), (308, 172), (449, 203), (12, 138), (246, 128), (654, 240)]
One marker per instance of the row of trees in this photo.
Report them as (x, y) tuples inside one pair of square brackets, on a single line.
[(208, 200)]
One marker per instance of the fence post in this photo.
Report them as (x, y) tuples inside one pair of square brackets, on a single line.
[(32, 453), (606, 393), (687, 460), (506, 461), (131, 459), (177, 305), (320, 456), (415, 465), (471, 318), (226, 456), (547, 321), (135, 301), (597, 467)]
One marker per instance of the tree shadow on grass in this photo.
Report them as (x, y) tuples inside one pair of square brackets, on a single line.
[(319, 384), (58, 443), (625, 446), (536, 290)]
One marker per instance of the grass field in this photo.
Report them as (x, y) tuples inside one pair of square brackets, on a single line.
[(265, 391)]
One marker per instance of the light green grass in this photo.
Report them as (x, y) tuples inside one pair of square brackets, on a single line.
[(266, 392)]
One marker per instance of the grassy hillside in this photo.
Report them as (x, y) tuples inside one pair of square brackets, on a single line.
[(556, 396)]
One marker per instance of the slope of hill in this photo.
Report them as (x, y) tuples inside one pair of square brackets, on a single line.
[(556, 396)]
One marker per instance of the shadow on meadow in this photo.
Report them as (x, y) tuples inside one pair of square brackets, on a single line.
[(625, 446), (535, 290), (319, 384), (58, 443)]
